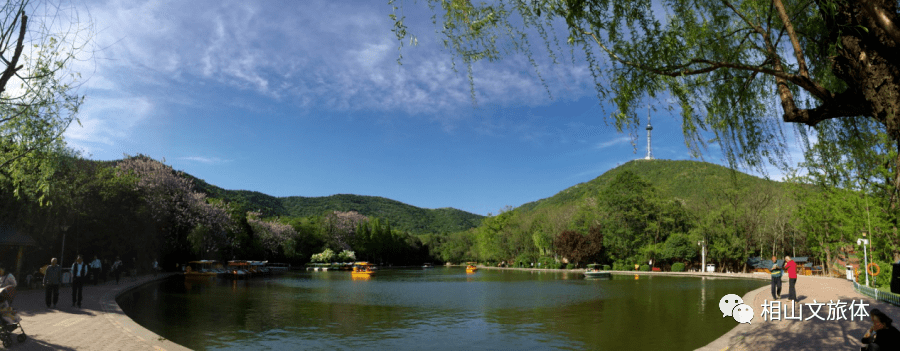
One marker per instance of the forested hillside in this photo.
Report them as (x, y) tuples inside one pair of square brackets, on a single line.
[(401, 216)]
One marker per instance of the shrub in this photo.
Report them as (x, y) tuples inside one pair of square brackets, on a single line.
[(545, 262), (606, 267), (645, 267), (883, 280), (570, 266), (678, 267)]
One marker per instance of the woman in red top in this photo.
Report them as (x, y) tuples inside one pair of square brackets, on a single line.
[(791, 267)]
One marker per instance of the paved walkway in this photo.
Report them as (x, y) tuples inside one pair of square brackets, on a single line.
[(803, 335), (99, 325)]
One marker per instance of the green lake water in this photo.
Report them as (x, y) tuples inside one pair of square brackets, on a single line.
[(441, 308)]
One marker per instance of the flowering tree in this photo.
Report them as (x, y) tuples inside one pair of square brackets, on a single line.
[(324, 256), (347, 255), (273, 235), (175, 206), (340, 227)]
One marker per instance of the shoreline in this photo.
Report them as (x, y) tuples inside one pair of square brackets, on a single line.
[(806, 334)]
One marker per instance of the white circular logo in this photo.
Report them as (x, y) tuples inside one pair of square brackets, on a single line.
[(743, 313), (727, 303)]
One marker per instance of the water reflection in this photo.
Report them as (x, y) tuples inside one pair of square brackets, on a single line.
[(444, 309)]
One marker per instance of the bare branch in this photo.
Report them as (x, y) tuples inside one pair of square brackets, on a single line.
[(798, 52), (11, 68)]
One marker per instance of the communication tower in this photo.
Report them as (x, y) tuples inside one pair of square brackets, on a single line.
[(649, 129)]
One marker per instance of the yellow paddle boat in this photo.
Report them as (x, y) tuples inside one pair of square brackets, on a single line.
[(471, 268), (362, 269), (200, 270)]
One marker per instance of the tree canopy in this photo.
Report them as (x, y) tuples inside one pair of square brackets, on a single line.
[(37, 93), (730, 65)]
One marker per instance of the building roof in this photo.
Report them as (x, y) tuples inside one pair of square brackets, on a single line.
[(10, 236)]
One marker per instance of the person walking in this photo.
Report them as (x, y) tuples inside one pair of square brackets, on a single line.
[(117, 269), (155, 267), (79, 275), (51, 283), (776, 279), (95, 269), (791, 267)]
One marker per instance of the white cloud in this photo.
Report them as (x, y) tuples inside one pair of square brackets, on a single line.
[(206, 160), (613, 142), (107, 121)]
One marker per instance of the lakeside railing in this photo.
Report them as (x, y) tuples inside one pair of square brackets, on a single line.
[(879, 295)]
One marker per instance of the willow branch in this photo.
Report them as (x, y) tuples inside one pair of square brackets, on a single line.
[(798, 52)]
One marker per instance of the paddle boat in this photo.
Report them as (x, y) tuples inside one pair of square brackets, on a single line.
[(362, 269), (471, 268), (238, 269), (594, 272), (200, 270)]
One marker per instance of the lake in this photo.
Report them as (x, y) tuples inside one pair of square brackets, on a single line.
[(441, 308)]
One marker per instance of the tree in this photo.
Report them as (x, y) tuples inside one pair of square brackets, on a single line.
[(726, 64), (37, 99), (577, 247)]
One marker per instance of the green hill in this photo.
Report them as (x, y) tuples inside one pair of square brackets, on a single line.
[(402, 216), (683, 179)]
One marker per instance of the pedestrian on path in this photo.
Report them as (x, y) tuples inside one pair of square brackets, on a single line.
[(882, 335), (7, 286), (79, 275), (155, 267), (776, 279), (791, 268), (51, 283), (95, 269), (117, 269)]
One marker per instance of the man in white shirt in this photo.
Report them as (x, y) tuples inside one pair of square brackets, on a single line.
[(95, 269), (79, 274)]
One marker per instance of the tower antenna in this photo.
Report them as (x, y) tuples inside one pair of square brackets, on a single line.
[(649, 129)]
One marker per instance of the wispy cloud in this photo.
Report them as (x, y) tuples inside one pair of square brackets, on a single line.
[(613, 142), (108, 121), (206, 160)]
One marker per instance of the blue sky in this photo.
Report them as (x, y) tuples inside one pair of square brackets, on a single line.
[(307, 99)]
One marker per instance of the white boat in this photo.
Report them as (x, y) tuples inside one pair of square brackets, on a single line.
[(593, 272)]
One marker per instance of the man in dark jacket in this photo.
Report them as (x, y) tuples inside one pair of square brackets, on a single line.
[(51, 283), (882, 336), (776, 279), (79, 276)]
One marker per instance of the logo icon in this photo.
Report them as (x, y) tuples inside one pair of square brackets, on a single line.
[(728, 302), (743, 313)]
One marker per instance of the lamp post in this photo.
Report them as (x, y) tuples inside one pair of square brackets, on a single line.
[(703, 255), (865, 242), (62, 251)]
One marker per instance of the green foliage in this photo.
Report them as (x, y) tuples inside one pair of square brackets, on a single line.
[(606, 267), (570, 266), (678, 267), (645, 268)]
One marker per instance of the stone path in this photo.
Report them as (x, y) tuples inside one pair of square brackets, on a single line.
[(98, 325), (805, 334)]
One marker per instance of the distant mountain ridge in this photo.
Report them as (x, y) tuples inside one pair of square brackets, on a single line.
[(684, 179), (401, 216)]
